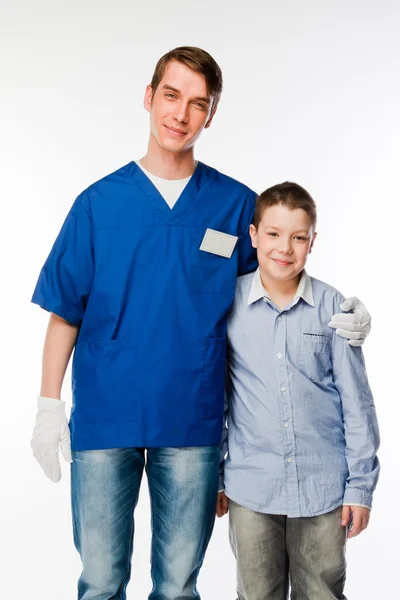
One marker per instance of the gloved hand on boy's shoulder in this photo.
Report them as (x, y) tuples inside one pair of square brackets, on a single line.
[(354, 325)]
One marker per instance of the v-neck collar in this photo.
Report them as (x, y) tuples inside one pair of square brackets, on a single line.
[(184, 201)]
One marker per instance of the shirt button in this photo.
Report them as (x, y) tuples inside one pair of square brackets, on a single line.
[(286, 425), (279, 355), (283, 389), (289, 459), (279, 319)]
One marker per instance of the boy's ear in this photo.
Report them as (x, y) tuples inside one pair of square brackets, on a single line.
[(253, 235), (312, 242), (148, 98)]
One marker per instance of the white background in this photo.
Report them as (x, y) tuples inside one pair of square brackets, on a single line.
[(311, 95)]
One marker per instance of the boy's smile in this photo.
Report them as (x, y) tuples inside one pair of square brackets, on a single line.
[(283, 263)]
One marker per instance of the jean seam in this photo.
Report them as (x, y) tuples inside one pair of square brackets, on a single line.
[(129, 557), (283, 561), (75, 534), (151, 519), (293, 575), (208, 536)]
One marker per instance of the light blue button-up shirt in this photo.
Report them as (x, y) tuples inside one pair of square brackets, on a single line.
[(301, 432)]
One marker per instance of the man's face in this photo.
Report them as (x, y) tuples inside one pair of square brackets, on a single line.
[(284, 240), (180, 108)]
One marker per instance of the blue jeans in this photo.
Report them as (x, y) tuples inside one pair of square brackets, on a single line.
[(183, 485)]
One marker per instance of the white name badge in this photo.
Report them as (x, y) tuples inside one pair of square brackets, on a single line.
[(219, 243)]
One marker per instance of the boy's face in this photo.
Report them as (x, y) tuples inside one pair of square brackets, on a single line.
[(284, 240), (180, 108)]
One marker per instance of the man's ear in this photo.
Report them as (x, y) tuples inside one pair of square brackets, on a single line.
[(253, 235), (210, 118), (148, 98), (312, 242)]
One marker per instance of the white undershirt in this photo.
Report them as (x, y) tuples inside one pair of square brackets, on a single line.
[(170, 189)]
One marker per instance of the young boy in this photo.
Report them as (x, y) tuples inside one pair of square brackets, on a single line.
[(302, 435)]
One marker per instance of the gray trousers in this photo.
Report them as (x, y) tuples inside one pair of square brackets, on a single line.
[(272, 550)]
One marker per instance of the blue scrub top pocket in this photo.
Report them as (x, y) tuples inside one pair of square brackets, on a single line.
[(104, 382), (211, 273)]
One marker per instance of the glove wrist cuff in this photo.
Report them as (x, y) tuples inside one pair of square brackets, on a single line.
[(53, 404)]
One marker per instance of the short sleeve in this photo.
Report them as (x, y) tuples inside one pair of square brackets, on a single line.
[(65, 280)]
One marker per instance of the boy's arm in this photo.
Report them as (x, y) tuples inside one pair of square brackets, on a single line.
[(51, 432), (360, 422), (223, 445)]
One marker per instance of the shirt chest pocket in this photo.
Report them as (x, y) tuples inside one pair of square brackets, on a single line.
[(315, 355), (211, 273)]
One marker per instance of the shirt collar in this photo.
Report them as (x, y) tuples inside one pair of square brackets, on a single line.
[(304, 289), (257, 291)]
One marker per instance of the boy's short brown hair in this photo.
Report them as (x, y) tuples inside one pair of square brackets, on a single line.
[(289, 194), (197, 59)]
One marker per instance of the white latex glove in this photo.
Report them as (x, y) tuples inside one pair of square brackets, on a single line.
[(354, 326), (51, 434)]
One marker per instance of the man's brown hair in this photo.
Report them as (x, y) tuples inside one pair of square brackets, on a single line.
[(197, 59), (289, 194)]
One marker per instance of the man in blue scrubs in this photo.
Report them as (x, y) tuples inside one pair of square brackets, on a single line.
[(140, 281)]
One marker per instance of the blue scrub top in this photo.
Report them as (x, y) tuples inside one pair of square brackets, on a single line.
[(148, 366)]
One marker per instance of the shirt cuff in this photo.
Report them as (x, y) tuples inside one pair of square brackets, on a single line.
[(221, 484), (354, 504), (357, 497)]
